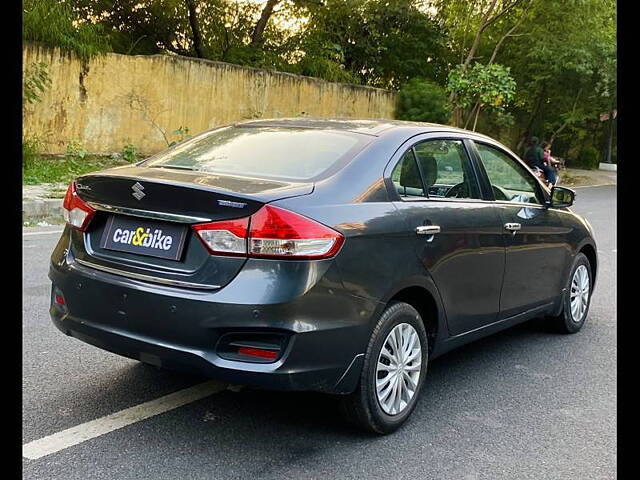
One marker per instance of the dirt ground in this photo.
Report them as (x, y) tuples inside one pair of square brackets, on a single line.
[(573, 177)]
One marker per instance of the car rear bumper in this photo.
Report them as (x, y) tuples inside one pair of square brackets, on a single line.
[(326, 328)]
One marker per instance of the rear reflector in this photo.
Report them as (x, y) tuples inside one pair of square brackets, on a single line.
[(75, 211), (59, 299), (257, 352), (272, 232)]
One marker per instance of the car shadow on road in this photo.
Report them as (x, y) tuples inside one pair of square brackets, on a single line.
[(260, 411)]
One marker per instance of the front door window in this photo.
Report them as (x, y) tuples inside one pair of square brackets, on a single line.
[(509, 180), (446, 169)]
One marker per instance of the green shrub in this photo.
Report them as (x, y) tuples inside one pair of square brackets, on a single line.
[(31, 150), (587, 157), (182, 133), (129, 153), (76, 150), (35, 81), (423, 101), (54, 23), (55, 169)]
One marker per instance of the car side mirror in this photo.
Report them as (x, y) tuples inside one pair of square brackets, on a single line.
[(561, 197)]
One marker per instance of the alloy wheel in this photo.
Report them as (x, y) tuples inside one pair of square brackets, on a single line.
[(579, 293), (398, 369)]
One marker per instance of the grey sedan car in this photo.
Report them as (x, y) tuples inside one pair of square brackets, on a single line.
[(337, 256)]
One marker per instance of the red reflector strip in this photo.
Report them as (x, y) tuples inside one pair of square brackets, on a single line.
[(60, 300), (257, 352)]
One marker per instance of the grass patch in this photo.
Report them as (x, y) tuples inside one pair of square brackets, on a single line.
[(49, 169), (569, 180)]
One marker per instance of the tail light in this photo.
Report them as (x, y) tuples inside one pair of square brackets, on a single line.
[(76, 212), (271, 232)]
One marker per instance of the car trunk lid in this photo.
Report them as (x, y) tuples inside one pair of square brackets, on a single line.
[(139, 208)]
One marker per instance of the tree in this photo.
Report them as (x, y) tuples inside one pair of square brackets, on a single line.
[(478, 18), (483, 86), (257, 37), (423, 101), (54, 23), (382, 43), (565, 68)]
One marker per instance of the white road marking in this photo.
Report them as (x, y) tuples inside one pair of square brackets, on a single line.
[(41, 233), (101, 426)]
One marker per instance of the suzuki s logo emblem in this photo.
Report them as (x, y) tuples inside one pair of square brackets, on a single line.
[(138, 191)]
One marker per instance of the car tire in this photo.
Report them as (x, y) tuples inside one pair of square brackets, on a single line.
[(363, 407), (575, 304)]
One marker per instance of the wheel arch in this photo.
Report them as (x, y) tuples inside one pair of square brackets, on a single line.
[(591, 252), (423, 295)]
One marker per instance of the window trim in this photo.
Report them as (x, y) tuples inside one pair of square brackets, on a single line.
[(541, 193), (422, 138)]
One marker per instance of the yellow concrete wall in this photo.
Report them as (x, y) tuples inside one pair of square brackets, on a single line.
[(113, 99)]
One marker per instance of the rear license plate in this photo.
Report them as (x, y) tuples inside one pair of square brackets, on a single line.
[(144, 237)]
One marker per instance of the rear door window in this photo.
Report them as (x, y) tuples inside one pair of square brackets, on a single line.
[(406, 177)]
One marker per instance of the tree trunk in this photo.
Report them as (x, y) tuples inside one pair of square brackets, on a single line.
[(475, 121), (610, 139), (257, 37), (487, 20), (566, 123), (476, 40), (509, 33), (195, 28), (476, 106)]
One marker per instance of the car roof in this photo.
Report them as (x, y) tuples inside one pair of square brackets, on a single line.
[(367, 126)]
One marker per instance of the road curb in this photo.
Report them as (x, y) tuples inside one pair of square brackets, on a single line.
[(42, 210)]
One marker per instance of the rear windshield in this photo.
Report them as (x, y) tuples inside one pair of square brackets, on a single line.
[(299, 153)]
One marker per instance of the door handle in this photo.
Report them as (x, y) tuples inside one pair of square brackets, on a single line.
[(427, 229), (512, 227)]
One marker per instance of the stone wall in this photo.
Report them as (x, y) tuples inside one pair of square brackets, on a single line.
[(113, 100)]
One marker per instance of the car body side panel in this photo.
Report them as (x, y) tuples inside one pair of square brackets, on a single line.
[(537, 257), (466, 259), (378, 258)]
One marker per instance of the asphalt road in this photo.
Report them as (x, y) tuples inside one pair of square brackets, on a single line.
[(521, 404)]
